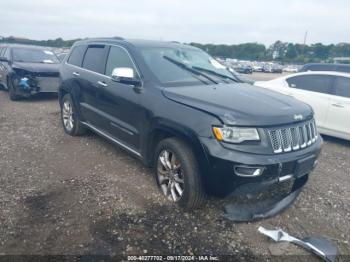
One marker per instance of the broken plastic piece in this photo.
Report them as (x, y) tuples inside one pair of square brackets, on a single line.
[(244, 212), (319, 246)]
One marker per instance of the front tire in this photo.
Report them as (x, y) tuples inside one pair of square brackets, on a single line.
[(178, 175), (12, 92), (70, 118)]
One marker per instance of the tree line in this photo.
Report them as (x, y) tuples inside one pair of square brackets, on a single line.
[(283, 52), (279, 51)]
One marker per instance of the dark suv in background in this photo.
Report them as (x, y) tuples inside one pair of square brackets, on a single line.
[(180, 111), (325, 67), (27, 70)]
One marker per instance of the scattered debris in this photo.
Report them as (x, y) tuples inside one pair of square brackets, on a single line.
[(319, 246)]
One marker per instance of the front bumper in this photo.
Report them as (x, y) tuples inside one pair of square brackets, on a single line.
[(31, 85), (221, 180)]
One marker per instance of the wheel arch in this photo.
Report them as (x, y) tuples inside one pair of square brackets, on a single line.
[(170, 129)]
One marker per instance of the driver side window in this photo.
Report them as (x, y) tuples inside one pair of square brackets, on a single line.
[(118, 57)]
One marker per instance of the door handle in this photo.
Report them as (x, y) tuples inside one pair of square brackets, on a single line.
[(338, 105), (102, 83), (76, 73)]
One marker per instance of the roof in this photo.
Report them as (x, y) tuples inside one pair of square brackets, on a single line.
[(325, 64), (333, 73), (136, 42)]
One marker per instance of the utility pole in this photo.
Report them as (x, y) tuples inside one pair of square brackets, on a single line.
[(305, 37)]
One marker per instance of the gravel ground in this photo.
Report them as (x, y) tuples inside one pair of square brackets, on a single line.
[(82, 195)]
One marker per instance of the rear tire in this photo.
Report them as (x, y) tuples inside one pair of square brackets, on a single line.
[(177, 174), (70, 119)]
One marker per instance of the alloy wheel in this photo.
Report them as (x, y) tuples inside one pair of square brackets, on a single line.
[(67, 114), (170, 175)]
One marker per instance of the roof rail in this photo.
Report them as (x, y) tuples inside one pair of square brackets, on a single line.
[(105, 38)]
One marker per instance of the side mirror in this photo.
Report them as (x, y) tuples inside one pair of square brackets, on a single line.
[(4, 59), (125, 75)]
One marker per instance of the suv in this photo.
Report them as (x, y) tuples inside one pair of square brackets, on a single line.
[(180, 111), (325, 67), (27, 70)]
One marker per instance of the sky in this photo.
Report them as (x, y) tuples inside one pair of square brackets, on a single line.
[(202, 21)]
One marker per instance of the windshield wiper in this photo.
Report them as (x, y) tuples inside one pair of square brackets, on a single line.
[(214, 73), (190, 69)]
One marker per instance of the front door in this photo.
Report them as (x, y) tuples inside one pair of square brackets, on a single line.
[(339, 110), (121, 102)]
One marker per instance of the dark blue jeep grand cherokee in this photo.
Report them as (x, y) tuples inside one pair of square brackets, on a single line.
[(183, 113)]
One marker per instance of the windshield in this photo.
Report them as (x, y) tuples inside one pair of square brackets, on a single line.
[(34, 56), (178, 66)]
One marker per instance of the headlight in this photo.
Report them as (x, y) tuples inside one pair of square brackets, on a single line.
[(236, 134)]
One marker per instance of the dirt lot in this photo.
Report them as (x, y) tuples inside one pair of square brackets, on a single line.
[(82, 195)]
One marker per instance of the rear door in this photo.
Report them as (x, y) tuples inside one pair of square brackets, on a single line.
[(339, 111), (313, 89)]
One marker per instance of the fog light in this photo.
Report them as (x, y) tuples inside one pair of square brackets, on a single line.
[(247, 171)]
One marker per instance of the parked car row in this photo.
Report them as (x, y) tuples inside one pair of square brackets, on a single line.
[(248, 67)]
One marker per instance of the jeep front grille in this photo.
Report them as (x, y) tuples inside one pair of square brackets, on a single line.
[(294, 137)]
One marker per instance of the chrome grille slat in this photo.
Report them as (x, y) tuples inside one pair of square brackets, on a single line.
[(294, 137)]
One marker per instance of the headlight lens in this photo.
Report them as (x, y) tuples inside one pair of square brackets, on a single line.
[(236, 134)]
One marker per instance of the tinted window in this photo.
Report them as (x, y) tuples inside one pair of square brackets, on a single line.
[(343, 68), (342, 87), (94, 59), (314, 83), (118, 57), (322, 68), (76, 56), (31, 55)]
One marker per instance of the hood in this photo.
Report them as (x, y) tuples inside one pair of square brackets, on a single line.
[(39, 69), (241, 104)]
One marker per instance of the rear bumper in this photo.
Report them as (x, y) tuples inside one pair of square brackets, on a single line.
[(222, 180)]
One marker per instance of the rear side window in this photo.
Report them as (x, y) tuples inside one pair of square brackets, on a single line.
[(76, 56), (322, 68), (343, 68), (342, 87), (314, 83), (94, 58), (118, 57)]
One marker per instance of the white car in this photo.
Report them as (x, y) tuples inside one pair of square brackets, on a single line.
[(290, 69), (327, 92)]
